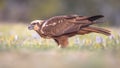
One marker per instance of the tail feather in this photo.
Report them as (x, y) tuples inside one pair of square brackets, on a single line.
[(97, 30), (95, 17)]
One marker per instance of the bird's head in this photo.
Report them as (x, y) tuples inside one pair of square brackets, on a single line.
[(35, 25)]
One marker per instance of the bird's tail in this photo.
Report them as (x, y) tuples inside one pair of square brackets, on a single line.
[(92, 18), (97, 30)]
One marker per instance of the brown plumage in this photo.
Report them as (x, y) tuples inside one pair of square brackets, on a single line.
[(60, 28)]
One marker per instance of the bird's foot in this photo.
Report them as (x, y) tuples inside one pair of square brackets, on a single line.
[(59, 46)]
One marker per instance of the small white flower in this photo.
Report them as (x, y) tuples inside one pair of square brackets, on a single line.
[(77, 41), (111, 37), (36, 36), (83, 41), (99, 39), (16, 37)]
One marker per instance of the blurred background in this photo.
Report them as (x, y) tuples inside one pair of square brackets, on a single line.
[(27, 10), (21, 48)]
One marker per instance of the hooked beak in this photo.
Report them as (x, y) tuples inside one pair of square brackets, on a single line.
[(30, 27)]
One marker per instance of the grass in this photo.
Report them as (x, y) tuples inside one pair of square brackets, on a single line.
[(21, 48)]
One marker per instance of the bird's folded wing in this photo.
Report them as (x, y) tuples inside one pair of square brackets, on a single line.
[(59, 25)]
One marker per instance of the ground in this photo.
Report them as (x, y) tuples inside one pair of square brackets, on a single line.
[(21, 48)]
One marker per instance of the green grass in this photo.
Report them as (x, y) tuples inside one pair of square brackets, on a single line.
[(21, 48), (18, 36)]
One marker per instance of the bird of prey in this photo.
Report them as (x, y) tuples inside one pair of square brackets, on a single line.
[(60, 28)]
